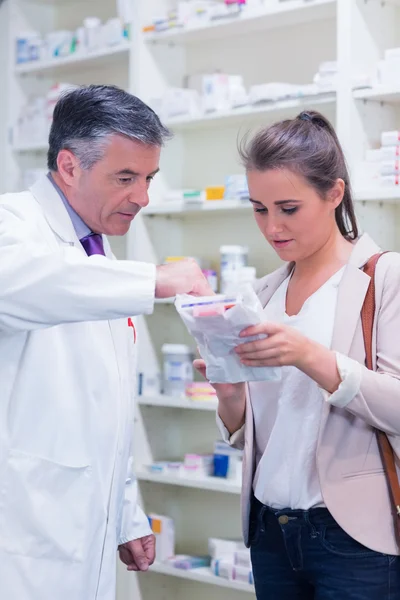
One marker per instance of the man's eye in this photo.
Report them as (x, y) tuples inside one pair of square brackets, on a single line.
[(125, 179)]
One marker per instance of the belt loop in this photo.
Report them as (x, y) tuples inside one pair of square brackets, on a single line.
[(313, 530), (261, 514)]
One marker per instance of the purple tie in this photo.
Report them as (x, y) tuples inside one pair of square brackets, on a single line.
[(93, 244)]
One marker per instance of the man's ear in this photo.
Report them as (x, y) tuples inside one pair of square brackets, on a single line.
[(68, 167)]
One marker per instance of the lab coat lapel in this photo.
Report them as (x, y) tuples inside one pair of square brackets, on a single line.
[(54, 210), (57, 216), (107, 248)]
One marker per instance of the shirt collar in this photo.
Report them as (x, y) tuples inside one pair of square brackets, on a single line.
[(81, 229)]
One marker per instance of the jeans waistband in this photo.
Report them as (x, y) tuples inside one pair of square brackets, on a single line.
[(316, 516)]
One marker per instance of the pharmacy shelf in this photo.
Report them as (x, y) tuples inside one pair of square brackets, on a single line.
[(213, 484), (221, 118), (179, 208), (287, 13), (210, 206), (203, 575), (382, 93), (389, 195), (97, 59), (237, 116), (171, 402)]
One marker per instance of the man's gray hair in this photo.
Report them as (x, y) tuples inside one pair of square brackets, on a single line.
[(85, 117)]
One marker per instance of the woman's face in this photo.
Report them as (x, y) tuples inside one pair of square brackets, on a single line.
[(291, 215)]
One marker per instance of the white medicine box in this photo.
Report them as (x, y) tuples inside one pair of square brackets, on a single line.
[(164, 531)]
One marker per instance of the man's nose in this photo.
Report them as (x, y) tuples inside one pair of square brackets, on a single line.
[(140, 197)]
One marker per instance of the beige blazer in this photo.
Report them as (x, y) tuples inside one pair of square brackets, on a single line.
[(349, 467)]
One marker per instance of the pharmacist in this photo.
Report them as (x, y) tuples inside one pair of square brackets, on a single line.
[(68, 497)]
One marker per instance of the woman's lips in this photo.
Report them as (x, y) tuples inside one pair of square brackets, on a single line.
[(281, 243)]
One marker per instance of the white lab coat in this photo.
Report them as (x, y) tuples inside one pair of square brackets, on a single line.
[(67, 493)]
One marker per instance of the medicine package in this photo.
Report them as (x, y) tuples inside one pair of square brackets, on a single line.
[(216, 322)]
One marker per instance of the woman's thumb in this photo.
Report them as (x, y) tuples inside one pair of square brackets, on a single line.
[(200, 366)]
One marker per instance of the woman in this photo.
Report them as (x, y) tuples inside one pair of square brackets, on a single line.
[(315, 503)]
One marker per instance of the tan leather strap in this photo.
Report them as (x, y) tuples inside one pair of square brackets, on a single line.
[(385, 449)]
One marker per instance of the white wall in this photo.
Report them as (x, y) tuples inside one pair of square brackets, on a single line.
[(4, 46)]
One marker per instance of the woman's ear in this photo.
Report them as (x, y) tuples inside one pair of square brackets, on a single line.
[(336, 193)]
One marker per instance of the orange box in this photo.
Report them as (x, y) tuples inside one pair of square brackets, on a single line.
[(215, 193)]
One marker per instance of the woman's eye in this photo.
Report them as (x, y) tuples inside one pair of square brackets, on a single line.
[(289, 211), (260, 210)]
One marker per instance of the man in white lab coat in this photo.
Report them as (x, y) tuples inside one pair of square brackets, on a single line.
[(67, 490)]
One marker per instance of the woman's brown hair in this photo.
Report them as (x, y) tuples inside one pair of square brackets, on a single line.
[(308, 146)]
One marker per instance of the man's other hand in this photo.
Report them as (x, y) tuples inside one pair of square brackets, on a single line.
[(139, 554)]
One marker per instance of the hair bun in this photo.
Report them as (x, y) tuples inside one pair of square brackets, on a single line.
[(305, 116), (315, 119)]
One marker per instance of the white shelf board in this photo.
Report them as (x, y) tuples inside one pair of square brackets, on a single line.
[(213, 484), (203, 575), (59, 2), (164, 301), (248, 113), (386, 194), (271, 16), (99, 58), (382, 93), (33, 147), (210, 206), (171, 402)]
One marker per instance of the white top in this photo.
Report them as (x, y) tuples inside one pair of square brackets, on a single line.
[(286, 474)]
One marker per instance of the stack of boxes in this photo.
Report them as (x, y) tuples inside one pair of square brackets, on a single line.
[(230, 560), (381, 167), (192, 13), (219, 92), (225, 463), (390, 158), (389, 67)]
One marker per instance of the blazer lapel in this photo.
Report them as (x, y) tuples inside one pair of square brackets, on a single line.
[(351, 294), (269, 284)]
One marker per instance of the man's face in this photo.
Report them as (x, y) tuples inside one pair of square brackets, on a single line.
[(109, 195)]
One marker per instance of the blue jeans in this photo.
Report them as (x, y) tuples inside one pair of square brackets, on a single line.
[(305, 555)]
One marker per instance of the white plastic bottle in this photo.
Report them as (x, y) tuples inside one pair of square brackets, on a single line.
[(233, 258), (178, 369)]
